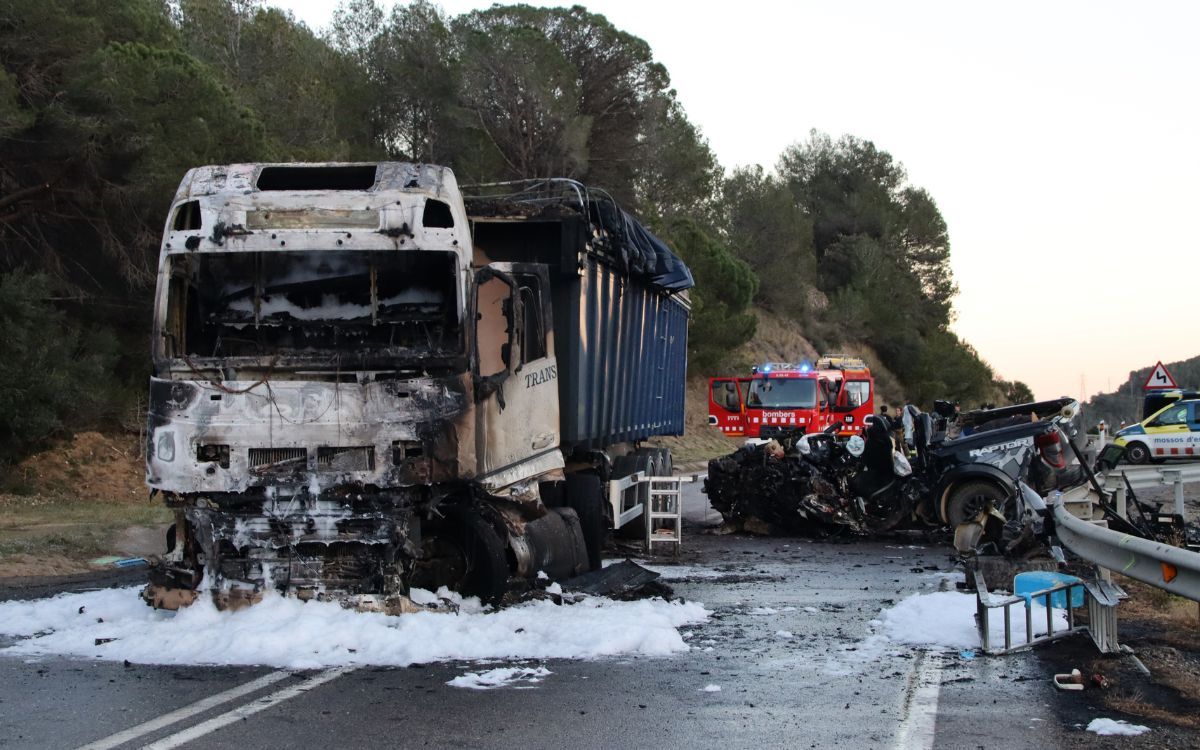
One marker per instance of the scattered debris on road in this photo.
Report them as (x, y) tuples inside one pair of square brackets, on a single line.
[(501, 677)]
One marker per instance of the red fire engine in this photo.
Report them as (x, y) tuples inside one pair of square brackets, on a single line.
[(780, 396)]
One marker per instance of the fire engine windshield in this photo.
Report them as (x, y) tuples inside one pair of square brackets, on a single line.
[(311, 303), (782, 393)]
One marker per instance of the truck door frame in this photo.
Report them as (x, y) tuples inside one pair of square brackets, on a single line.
[(517, 408)]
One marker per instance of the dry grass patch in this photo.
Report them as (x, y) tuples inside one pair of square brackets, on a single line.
[(51, 536)]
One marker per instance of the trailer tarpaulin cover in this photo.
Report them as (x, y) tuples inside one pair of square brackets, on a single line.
[(624, 241), (640, 252), (665, 269)]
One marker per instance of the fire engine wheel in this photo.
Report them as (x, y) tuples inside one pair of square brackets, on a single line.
[(485, 571), (1137, 453), (585, 494), (968, 500)]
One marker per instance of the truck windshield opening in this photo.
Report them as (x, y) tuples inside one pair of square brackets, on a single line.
[(782, 393), (312, 303)]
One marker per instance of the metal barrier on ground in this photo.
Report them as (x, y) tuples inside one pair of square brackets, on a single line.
[(658, 501), (1101, 597)]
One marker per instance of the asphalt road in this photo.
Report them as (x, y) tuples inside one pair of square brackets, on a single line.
[(806, 691)]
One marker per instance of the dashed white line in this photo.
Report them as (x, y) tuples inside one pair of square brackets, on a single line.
[(188, 711), (217, 722)]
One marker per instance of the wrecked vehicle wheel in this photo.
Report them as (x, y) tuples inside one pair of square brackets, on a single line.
[(585, 496), (967, 501), (469, 558), (1137, 453)]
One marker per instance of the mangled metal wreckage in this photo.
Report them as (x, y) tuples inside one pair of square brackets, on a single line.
[(980, 474), (362, 385)]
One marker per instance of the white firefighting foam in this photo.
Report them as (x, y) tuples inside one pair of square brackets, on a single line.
[(115, 625)]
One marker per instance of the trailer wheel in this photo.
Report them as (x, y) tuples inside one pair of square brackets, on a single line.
[(585, 495), (668, 462), (656, 460), (482, 549), (970, 499), (1137, 453)]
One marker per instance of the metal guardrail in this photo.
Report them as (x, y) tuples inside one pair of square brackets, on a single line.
[(630, 496), (1161, 565), (1150, 477), (625, 508)]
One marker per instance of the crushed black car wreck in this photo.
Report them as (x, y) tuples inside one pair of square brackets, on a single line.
[(978, 474)]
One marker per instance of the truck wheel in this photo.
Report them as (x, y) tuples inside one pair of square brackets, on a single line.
[(482, 550), (662, 459), (970, 499), (668, 463), (1137, 453), (585, 494), (655, 457)]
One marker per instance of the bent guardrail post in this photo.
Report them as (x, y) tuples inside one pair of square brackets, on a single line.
[(1160, 565), (1175, 477)]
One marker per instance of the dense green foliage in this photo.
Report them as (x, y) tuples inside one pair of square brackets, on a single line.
[(105, 103), (51, 372), (725, 285)]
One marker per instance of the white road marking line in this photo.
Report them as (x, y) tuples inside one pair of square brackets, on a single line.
[(217, 722), (178, 715), (916, 731)]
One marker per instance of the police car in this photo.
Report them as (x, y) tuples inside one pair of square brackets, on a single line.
[(1171, 432)]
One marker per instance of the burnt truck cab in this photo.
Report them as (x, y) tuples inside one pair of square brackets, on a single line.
[(343, 399)]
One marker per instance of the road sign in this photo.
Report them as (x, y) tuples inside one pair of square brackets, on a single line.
[(1159, 378)]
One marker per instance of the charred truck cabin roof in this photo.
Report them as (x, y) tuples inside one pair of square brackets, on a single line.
[(354, 396)]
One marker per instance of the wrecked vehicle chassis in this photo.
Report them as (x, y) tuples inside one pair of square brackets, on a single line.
[(973, 484), (314, 522)]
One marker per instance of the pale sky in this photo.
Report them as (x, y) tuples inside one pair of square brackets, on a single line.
[(1058, 140)]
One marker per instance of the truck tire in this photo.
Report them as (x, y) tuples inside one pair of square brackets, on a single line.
[(969, 499), (655, 456), (623, 466), (668, 462), (483, 551), (585, 495), (1137, 453)]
